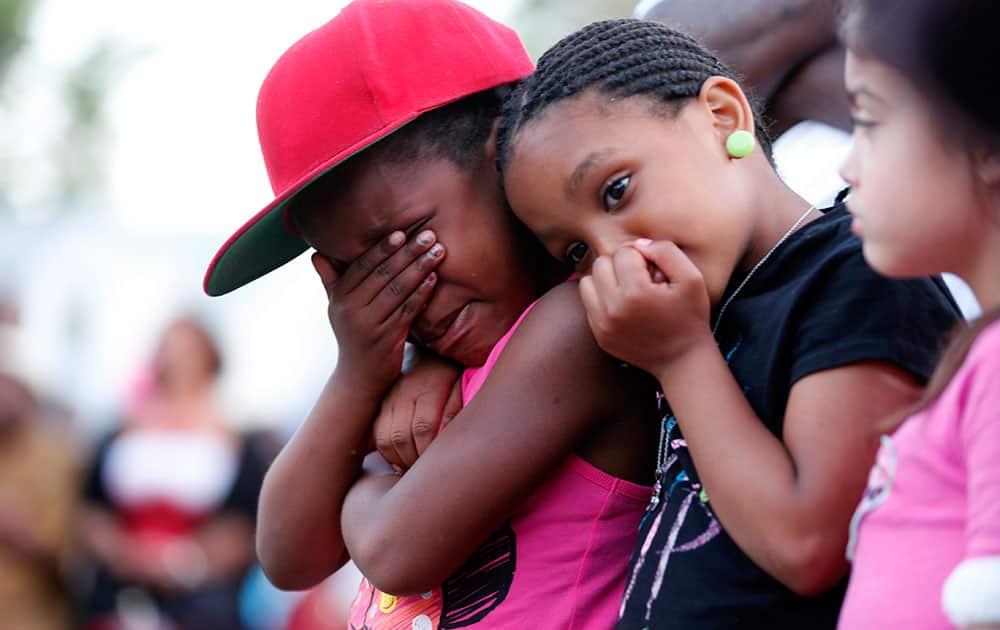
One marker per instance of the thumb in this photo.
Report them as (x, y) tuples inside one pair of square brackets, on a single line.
[(324, 269)]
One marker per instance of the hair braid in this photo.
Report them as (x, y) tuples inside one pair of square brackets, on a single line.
[(618, 58)]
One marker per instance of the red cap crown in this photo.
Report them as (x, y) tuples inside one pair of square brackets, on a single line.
[(376, 66)]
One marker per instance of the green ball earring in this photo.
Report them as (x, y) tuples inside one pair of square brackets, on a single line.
[(740, 144)]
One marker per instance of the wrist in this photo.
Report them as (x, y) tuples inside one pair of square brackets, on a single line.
[(361, 385), (691, 362)]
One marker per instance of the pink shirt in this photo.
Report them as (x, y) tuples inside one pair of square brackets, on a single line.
[(560, 562), (933, 501)]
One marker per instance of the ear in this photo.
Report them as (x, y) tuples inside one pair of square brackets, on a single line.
[(986, 162), (727, 106), (491, 142)]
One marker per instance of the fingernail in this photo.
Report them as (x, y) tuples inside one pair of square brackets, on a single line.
[(425, 237), (397, 238), (435, 251), (642, 242), (431, 278)]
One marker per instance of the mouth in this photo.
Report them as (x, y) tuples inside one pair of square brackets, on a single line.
[(856, 221), (439, 329), (446, 334)]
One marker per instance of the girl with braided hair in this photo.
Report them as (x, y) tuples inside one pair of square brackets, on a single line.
[(630, 152)]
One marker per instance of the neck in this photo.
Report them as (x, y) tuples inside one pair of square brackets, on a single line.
[(982, 275), (776, 209)]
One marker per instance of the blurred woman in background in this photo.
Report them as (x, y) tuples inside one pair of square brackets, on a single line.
[(170, 500)]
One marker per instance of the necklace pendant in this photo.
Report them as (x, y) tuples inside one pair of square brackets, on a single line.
[(654, 499)]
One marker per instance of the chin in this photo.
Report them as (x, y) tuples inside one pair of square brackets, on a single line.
[(885, 263)]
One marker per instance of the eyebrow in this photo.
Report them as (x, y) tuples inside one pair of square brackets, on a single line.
[(854, 94), (583, 169)]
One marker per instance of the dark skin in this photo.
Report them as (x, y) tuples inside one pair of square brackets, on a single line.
[(634, 207), (786, 50), (321, 503)]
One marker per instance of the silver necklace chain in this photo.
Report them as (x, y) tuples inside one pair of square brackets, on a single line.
[(661, 468), (784, 237)]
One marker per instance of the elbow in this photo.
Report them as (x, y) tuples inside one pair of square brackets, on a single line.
[(394, 568), (811, 566), (290, 569), (281, 573)]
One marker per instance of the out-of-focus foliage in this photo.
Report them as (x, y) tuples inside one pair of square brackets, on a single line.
[(54, 133), (14, 18)]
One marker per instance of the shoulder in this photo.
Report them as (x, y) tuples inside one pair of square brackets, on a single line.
[(555, 342), (557, 319), (981, 368), (986, 348)]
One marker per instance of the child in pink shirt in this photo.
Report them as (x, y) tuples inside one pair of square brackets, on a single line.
[(925, 541)]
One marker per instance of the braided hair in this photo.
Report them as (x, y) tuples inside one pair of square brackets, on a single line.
[(617, 58)]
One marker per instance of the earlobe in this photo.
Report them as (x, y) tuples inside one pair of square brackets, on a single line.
[(728, 106), (988, 168)]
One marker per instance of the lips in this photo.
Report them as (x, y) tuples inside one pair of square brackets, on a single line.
[(438, 329)]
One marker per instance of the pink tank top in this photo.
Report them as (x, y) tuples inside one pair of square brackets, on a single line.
[(559, 562)]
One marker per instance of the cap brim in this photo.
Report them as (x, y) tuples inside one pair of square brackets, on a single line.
[(263, 245), (265, 242)]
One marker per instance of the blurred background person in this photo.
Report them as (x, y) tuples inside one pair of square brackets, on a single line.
[(170, 499), (37, 491)]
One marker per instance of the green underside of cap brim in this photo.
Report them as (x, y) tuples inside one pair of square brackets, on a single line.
[(264, 247), (267, 244)]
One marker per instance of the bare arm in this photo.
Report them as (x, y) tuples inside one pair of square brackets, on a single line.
[(299, 540), (551, 386), (792, 517), (763, 40), (792, 520)]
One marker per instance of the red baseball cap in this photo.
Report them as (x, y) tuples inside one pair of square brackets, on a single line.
[(364, 74)]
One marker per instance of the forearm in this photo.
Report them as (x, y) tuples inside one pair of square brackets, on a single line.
[(753, 484), (763, 40), (227, 542), (101, 536), (396, 535), (299, 540)]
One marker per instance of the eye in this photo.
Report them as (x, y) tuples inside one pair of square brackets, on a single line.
[(615, 192), (576, 252), (861, 124)]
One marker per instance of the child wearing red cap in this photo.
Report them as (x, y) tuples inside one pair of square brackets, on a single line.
[(378, 130)]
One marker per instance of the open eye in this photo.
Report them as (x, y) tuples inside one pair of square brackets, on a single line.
[(615, 192), (576, 252)]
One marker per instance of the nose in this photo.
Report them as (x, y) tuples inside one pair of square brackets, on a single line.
[(605, 244), (848, 170)]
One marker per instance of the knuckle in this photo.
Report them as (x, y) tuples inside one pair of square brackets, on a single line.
[(422, 427), (399, 438), (365, 264), (383, 268), (382, 442), (396, 288)]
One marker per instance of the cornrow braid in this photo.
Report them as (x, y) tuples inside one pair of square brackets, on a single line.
[(618, 58)]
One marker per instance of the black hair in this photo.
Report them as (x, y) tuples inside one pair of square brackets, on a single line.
[(946, 48), (456, 132), (617, 58)]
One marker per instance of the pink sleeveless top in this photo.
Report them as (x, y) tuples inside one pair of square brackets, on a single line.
[(559, 562)]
